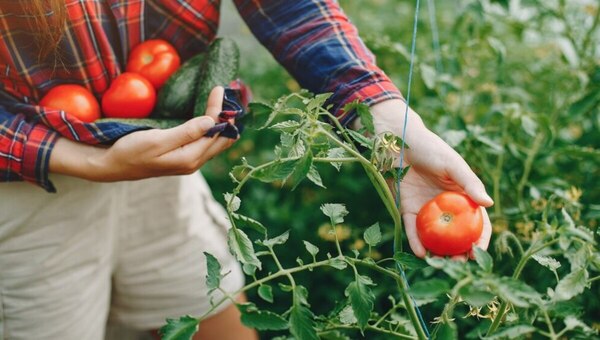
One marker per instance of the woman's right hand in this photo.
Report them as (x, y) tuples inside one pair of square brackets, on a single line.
[(143, 154)]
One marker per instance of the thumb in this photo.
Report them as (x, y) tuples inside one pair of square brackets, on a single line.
[(462, 174)]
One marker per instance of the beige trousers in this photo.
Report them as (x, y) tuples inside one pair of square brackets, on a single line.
[(131, 252)]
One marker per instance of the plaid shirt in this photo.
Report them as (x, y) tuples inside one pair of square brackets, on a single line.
[(312, 39)]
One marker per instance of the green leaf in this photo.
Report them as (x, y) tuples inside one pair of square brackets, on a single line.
[(302, 325), (335, 212), (347, 316), (179, 329), (235, 201), (266, 293), (278, 170), (362, 301), (286, 126), (213, 269), (428, 75), (314, 176), (247, 222), (373, 235), (337, 153), (476, 296), (318, 101), (571, 285), (241, 247), (513, 332), (333, 335), (483, 259), (311, 248), (261, 320), (446, 331), (361, 139), (338, 263), (584, 105), (516, 292), (425, 289), (281, 239), (259, 115), (301, 170), (363, 113), (547, 261), (409, 261)]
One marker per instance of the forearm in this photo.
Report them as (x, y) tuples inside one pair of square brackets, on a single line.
[(76, 159)]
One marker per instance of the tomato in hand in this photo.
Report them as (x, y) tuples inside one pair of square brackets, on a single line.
[(154, 59), (75, 100), (129, 96), (449, 224)]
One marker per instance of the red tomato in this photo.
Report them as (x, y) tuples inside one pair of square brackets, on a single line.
[(154, 59), (129, 96), (449, 224), (75, 100)]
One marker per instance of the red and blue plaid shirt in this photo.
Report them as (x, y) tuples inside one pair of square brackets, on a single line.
[(312, 39)]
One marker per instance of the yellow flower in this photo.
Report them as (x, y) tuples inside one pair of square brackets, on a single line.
[(326, 233), (499, 226), (539, 204), (574, 194), (524, 229)]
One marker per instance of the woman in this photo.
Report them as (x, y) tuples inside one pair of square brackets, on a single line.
[(104, 246)]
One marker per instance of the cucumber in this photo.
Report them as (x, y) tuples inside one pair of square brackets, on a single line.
[(176, 98), (145, 122), (220, 68)]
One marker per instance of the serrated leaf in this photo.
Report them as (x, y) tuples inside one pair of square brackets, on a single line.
[(301, 170), (302, 325), (261, 320), (373, 235), (213, 272), (361, 139), (259, 115), (476, 296), (483, 259), (241, 247), (335, 212), (183, 328), (314, 176), (247, 222), (513, 332), (514, 291), (278, 170), (362, 301), (317, 101), (571, 285), (235, 201), (281, 239), (409, 261), (249, 269), (426, 289), (266, 292), (347, 316), (547, 261), (286, 126), (311, 248), (336, 153), (363, 113), (572, 322)]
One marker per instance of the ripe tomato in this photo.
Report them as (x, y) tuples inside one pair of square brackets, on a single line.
[(129, 96), (449, 224), (154, 59), (75, 100)]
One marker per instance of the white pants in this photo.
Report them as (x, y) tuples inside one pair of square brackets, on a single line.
[(131, 252)]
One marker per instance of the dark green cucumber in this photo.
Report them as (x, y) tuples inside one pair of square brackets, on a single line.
[(220, 68), (176, 99), (152, 123)]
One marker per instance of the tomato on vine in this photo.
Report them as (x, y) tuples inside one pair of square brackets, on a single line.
[(449, 224)]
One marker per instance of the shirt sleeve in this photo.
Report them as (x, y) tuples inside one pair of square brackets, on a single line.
[(320, 47)]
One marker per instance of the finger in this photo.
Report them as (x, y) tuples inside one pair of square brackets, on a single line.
[(462, 174), (185, 158), (486, 233), (214, 104), (186, 133), (220, 145), (410, 224)]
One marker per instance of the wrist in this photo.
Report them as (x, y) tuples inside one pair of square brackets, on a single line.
[(78, 160)]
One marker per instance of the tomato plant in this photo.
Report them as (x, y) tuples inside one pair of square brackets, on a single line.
[(75, 100), (130, 95), (154, 59), (449, 224)]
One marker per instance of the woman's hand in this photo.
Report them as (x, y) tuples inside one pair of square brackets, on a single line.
[(435, 167), (143, 154)]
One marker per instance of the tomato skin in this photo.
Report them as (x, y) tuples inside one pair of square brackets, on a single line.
[(154, 59), (449, 224), (129, 96), (75, 100)]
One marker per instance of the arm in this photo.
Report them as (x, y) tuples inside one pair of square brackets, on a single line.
[(142, 154)]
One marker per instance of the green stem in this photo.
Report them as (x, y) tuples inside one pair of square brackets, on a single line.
[(533, 150), (449, 308), (370, 328), (497, 174), (593, 279), (549, 323), (520, 266)]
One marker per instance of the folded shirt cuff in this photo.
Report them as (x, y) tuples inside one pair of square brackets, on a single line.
[(35, 161)]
